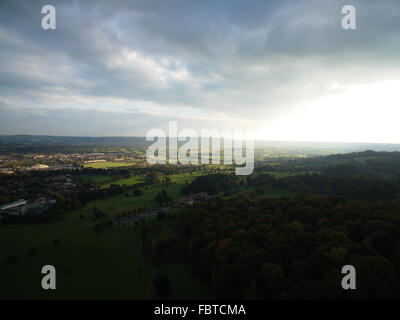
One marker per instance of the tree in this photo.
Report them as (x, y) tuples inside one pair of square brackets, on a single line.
[(162, 198), (161, 216), (60, 200), (162, 286), (251, 291), (76, 204), (167, 181), (253, 194)]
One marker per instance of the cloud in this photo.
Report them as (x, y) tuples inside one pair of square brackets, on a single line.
[(233, 62)]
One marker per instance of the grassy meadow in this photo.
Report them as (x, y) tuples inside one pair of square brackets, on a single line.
[(105, 165), (108, 264), (91, 265)]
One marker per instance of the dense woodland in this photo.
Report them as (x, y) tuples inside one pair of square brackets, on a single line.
[(254, 247), (289, 248), (353, 186)]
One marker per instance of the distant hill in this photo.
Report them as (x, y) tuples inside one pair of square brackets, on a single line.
[(274, 148), (325, 148), (371, 163), (32, 140)]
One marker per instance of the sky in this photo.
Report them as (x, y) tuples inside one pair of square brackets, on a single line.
[(286, 70)]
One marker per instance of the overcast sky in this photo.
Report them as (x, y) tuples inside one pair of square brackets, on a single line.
[(285, 69)]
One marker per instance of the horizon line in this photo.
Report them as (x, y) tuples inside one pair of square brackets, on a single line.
[(255, 140)]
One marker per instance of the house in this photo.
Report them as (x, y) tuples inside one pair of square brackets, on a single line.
[(38, 167), (40, 205), (186, 200), (14, 208), (22, 207), (60, 179), (6, 171), (193, 198)]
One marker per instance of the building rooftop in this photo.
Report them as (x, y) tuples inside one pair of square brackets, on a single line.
[(14, 204)]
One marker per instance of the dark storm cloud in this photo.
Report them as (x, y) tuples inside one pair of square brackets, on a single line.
[(240, 59)]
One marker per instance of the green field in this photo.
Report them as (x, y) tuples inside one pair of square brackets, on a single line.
[(100, 179), (119, 203), (128, 181), (183, 285), (107, 265), (105, 165)]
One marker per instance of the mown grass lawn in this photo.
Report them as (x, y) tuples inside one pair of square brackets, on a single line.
[(119, 203), (184, 286), (100, 179), (128, 181), (16, 239), (100, 165), (89, 265), (107, 265)]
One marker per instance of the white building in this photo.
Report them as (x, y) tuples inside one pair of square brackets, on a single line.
[(15, 208)]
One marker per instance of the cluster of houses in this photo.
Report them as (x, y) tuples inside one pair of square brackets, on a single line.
[(61, 183), (6, 171), (22, 206), (45, 167), (38, 167)]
